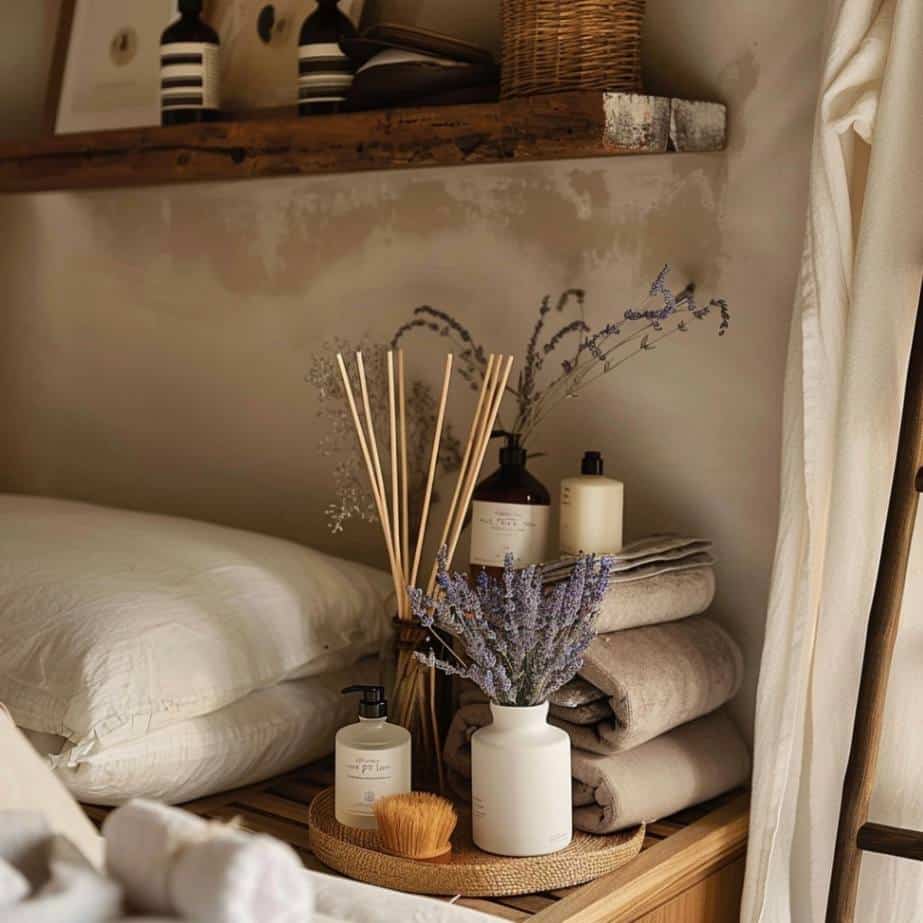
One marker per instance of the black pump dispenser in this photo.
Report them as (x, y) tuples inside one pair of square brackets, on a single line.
[(592, 463), (373, 703), (512, 453)]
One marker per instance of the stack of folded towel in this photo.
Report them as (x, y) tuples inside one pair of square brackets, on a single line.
[(644, 715)]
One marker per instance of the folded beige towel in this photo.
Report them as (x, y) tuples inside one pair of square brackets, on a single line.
[(656, 678), (695, 762), (690, 764), (638, 684), (662, 597)]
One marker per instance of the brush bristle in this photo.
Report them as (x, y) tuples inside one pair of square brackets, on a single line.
[(417, 825)]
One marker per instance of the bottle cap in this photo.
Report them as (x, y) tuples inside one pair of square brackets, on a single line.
[(592, 463), (190, 6), (512, 453), (373, 703)]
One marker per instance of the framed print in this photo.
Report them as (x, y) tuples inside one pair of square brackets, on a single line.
[(106, 72)]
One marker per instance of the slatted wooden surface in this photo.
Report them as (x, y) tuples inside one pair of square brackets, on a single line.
[(713, 837)]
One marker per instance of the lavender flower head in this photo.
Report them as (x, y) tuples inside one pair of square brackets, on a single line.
[(521, 642)]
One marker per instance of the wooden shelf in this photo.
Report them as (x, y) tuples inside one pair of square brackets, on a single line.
[(552, 127)]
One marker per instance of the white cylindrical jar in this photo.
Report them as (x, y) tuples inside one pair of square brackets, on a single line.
[(521, 783)]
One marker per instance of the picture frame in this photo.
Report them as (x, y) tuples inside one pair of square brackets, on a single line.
[(105, 65)]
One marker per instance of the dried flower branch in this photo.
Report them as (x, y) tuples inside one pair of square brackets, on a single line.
[(522, 643), (640, 330), (338, 439)]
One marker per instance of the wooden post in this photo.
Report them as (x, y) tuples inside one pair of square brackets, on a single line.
[(884, 619)]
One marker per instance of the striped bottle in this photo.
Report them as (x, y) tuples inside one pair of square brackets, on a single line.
[(189, 68), (325, 73)]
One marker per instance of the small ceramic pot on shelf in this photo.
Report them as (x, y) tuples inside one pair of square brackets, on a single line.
[(521, 783)]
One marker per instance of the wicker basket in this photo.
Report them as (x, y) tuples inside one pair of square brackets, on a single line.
[(551, 46)]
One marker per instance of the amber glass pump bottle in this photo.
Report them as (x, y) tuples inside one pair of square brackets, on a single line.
[(510, 514)]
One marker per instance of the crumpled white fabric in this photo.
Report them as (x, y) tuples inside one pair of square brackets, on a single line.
[(853, 322), (44, 878), (339, 900)]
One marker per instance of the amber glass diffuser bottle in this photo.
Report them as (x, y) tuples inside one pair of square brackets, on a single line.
[(510, 514)]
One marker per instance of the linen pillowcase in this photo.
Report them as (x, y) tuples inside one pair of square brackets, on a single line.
[(116, 623), (264, 734)]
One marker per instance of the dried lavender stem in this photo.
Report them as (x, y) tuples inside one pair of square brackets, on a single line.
[(433, 463), (435, 724), (395, 487), (494, 409), (363, 445), (405, 483), (462, 471)]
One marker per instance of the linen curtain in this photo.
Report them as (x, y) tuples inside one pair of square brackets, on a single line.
[(850, 340)]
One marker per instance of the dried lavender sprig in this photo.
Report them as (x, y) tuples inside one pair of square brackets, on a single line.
[(592, 355), (520, 643)]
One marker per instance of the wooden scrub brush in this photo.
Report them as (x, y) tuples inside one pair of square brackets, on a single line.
[(417, 825)]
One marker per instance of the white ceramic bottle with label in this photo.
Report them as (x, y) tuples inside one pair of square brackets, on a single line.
[(591, 510), (521, 783), (372, 760), (510, 513)]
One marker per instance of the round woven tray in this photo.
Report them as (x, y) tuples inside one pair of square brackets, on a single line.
[(468, 871)]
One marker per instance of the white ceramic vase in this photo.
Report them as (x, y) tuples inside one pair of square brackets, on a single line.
[(521, 783)]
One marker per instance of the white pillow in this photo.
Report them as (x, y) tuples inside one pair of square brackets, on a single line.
[(264, 734), (114, 624)]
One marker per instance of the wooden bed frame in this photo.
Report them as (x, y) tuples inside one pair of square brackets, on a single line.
[(690, 870)]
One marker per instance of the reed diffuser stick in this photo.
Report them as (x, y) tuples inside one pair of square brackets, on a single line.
[(396, 502), (462, 471), (373, 482), (433, 463), (405, 482), (501, 378)]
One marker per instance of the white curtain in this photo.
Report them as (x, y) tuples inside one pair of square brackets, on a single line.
[(850, 340)]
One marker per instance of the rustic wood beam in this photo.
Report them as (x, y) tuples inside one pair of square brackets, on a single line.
[(550, 127)]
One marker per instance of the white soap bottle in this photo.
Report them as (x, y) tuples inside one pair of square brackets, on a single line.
[(591, 510), (372, 760)]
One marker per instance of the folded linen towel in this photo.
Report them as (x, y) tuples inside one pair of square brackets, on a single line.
[(658, 597), (637, 684), (637, 554), (690, 764), (170, 861), (236, 877), (142, 839), (656, 678)]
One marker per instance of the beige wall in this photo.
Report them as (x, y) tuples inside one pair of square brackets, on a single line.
[(155, 341)]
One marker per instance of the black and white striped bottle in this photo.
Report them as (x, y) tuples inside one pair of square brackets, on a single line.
[(189, 68), (325, 73)]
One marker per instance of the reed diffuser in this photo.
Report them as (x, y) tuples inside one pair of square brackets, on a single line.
[(414, 696)]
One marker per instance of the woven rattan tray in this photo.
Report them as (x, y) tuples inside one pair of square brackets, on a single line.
[(469, 871)]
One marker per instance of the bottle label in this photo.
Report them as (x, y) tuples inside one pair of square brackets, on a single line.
[(189, 76), (501, 528), (364, 777), (325, 73)]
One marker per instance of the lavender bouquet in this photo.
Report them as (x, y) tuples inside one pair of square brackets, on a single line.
[(521, 643)]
